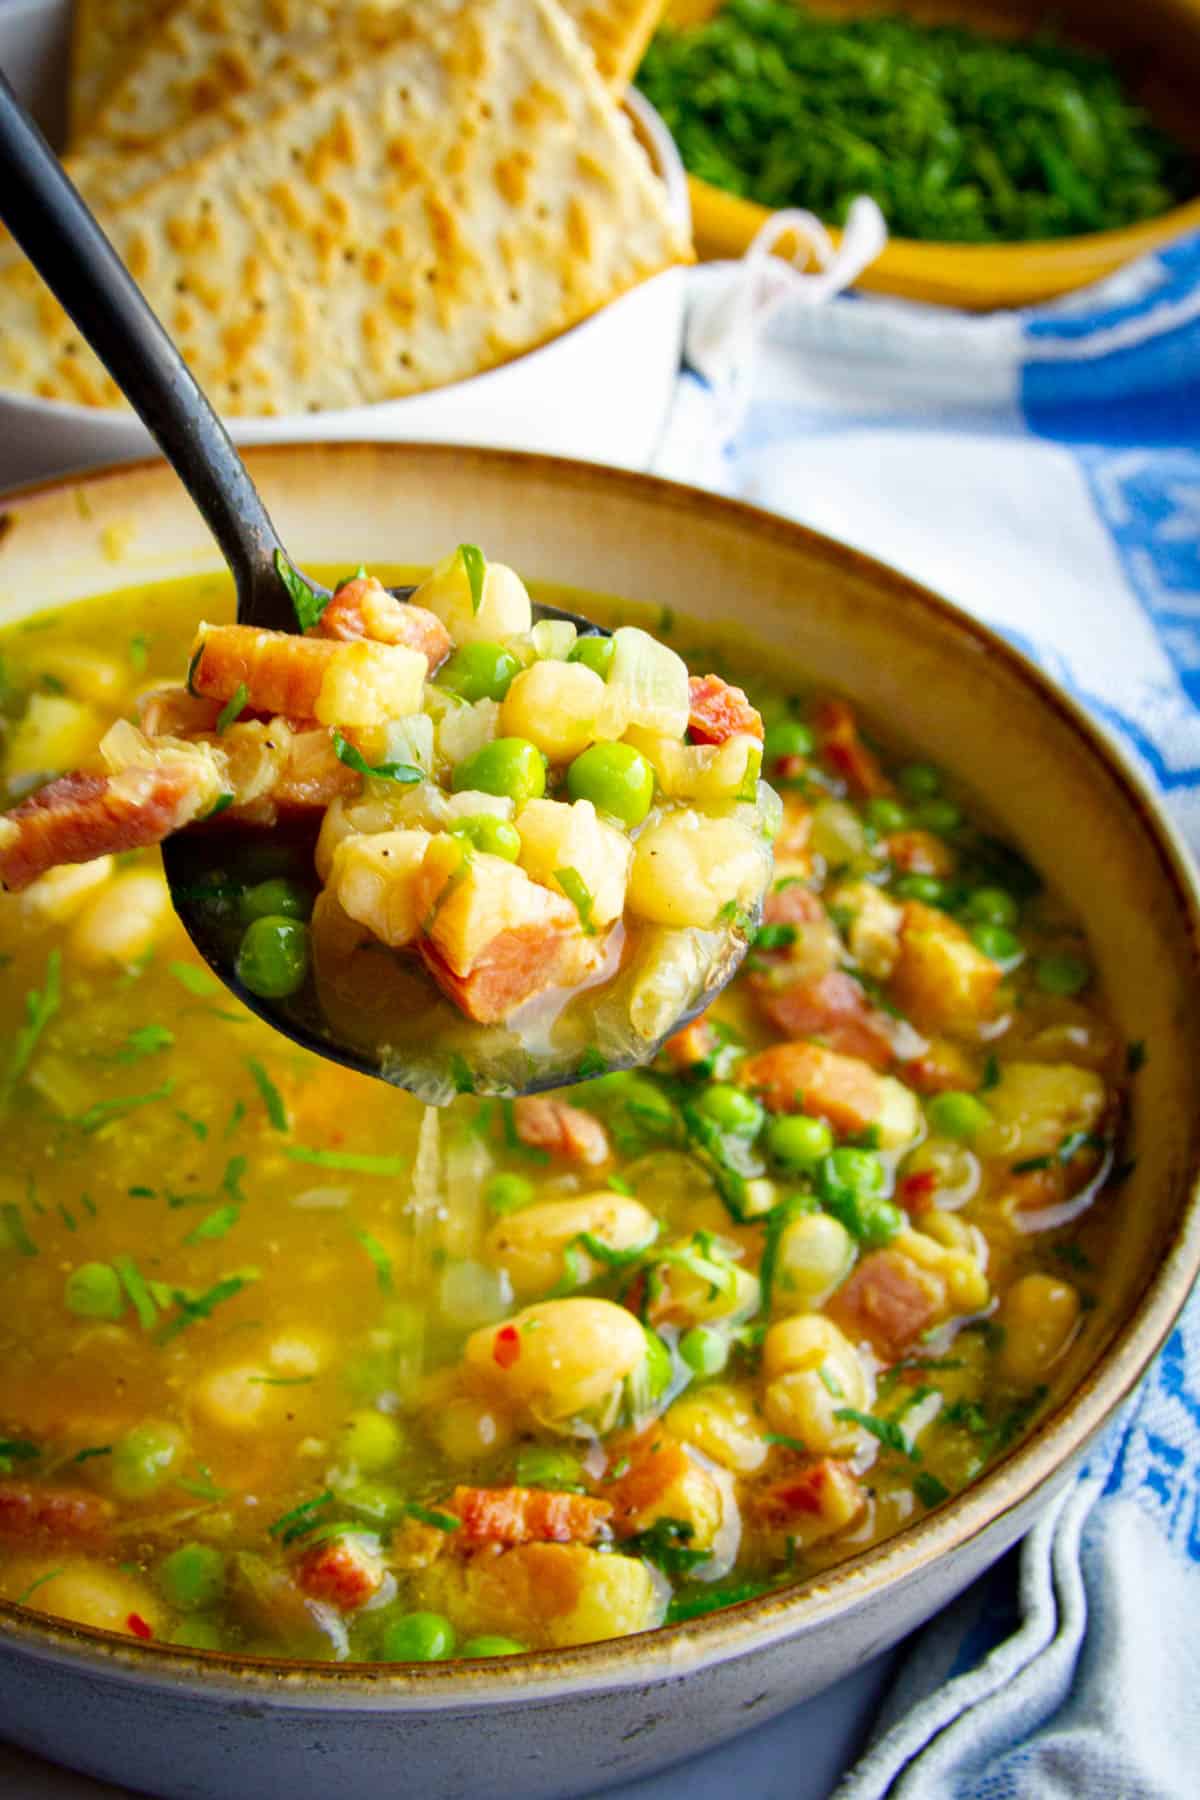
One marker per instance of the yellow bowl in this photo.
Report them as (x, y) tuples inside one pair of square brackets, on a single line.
[(1156, 44)]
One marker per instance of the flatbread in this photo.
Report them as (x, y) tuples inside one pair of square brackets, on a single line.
[(466, 193), (206, 53), (617, 33), (106, 36)]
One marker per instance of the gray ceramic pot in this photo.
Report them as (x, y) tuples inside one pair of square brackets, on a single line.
[(175, 1723)]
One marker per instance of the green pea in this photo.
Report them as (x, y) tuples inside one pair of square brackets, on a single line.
[(1062, 974), (277, 899), (798, 1143), (997, 942), (512, 767), (273, 958), (479, 672), (192, 1578), (992, 906), (421, 1637), (703, 1350), (371, 1441), (617, 780), (541, 1465), (492, 1646), (495, 837), (929, 889), (508, 1193), (142, 1461), (93, 1291), (659, 1367), (788, 737), (886, 815), (595, 653), (936, 814), (196, 1634), (957, 1115), (851, 1186), (919, 780), (732, 1109)]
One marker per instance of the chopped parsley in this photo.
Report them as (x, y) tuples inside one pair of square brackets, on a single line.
[(1135, 1056), (215, 1225), (432, 1515), (887, 1431), (197, 981), (580, 895), (272, 1099), (353, 1162), (380, 1257), (666, 1545), (928, 1489), (144, 1040), (233, 708), (386, 771), (475, 564), (41, 1005), (14, 1226), (103, 1112), (138, 1292), (301, 1519), (307, 603), (139, 652), (193, 1308)]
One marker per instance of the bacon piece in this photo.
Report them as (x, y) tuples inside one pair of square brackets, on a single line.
[(344, 1573), (793, 904), (694, 1045), (280, 673), (66, 1515), (719, 711), (657, 1461), (80, 817), (515, 966), (805, 1077), (889, 1300), (921, 853), (916, 1192), (363, 608), (519, 1515), (844, 752), (563, 1130), (942, 1068), (815, 1501), (833, 1008)]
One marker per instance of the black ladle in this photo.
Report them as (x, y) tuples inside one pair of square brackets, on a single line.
[(50, 221)]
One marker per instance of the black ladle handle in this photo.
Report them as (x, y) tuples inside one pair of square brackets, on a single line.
[(49, 220)]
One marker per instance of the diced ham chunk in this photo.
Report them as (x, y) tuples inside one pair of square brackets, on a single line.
[(718, 711), (889, 1300), (844, 753), (694, 1045), (517, 1515), (657, 1463), (808, 1078), (793, 904), (80, 817), (346, 1573), (941, 979), (514, 967), (363, 608), (815, 1501), (833, 1008), (564, 1130), (62, 1515), (280, 673)]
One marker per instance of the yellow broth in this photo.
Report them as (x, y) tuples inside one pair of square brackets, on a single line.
[(236, 1282)]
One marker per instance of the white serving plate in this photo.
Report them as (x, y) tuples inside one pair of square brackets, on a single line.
[(600, 391)]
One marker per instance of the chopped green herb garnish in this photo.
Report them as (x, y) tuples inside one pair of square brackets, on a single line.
[(271, 1097), (87, 1454), (460, 1070), (41, 1004), (475, 564), (200, 1306), (696, 1601), (354, 759), (139, 1294), (307, 603), (774, 937), (193, 665), (580, 895), (39, 1581), (14, 1225), (280, 1380), (1135, 1057), (886, 1431), (214, 1225), (432, 1515), (197, 981), (591, 1063), (665, 1543), (352, 1161), (301, 1519), (139, 652), (236, 1115), (103, 1112), (19, 1450), (379, 1256), (197, 1127), (144, 1040), (785, 1442), (202, 1484), (991, 1073), (928, 1489), (233, 708)]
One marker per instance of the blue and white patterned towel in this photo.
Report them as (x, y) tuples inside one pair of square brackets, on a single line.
[(1042, 468)]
